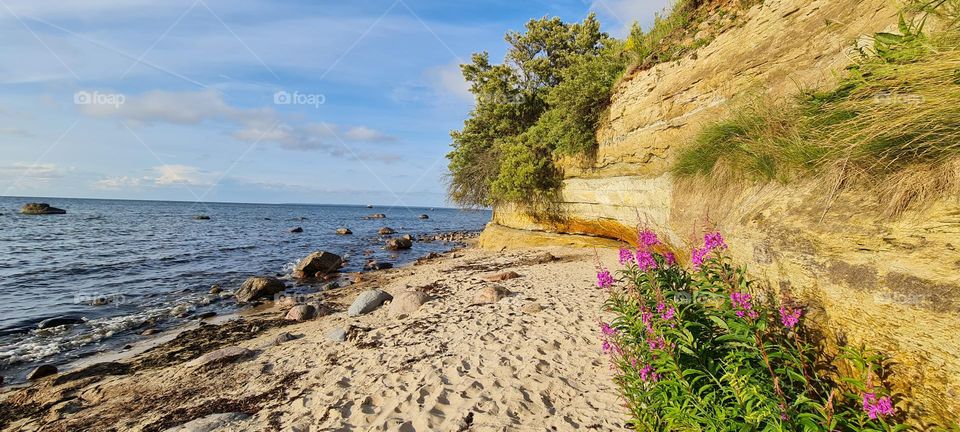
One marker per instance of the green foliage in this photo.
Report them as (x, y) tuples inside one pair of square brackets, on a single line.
[(705, 350), (544, 100), (655, 45)]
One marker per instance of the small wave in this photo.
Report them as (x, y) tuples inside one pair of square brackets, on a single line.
[(233, 248)]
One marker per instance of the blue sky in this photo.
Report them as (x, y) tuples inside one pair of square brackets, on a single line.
[(347, 102)]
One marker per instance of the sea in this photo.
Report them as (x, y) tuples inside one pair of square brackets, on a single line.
[(118, 267)]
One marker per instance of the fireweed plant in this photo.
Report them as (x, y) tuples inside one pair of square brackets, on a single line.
[(699, 350)]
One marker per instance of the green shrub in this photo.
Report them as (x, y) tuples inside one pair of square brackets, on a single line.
[(703, 349)]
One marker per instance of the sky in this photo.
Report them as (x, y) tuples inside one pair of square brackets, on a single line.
[(282, 101)]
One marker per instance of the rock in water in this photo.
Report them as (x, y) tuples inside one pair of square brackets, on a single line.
[(59, 321), (374, 265), (386, 231), (318, 262), (408, 302), (296, 230), (399, 244), (259, 287), (40, 209), (42, 371), (423, 216), (490, 295), (377, 216), (216, 289), (201, 217), (368, 301), (301, 313), (344, 231)]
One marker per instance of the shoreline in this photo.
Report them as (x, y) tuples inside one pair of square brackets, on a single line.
[(450, 364)]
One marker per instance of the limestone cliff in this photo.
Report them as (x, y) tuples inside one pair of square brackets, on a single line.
[(893, 284)]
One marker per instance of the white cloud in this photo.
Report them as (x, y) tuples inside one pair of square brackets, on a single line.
[(624, 12), (363, 133), (182, 175), (249, 124), (34, 172), (15, 131), (449, 79), (121, 182)]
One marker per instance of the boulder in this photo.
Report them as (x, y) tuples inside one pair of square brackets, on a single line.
[(256, 287), (301, 313), (317, 263), (180, 310), (40, 209), (223, 355), (407, 302), (377, 216), (490, 294), (296, 230), (368, 301), (344, 231), (216, 289), (282, 337), (374, 265), (423, 216), (42, 371), (59, 321), (285, 302), (531, 308), (399, 244), (337, 334), (500, 277), (149, 332), (407, 237), (386, 231), (201, 217)]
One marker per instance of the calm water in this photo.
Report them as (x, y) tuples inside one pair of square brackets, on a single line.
[(147, 257)]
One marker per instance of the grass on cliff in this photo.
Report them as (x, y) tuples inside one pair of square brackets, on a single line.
[(892, 123)]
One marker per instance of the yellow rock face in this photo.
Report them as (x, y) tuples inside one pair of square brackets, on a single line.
[(893, 285)]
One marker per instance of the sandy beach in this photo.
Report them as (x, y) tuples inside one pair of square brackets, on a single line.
[(530, 361)]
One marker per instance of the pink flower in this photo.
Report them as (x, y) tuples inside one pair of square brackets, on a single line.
[(877, 407), (604, 279), (668, 314), (626, 257), (606, 330), (789, 317), (697, 257), (742, 305), (713, 241), (645, 260), (646, 373), (647, 238), (670, 258)]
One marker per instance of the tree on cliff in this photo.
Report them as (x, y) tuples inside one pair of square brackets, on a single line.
[(543, 100)]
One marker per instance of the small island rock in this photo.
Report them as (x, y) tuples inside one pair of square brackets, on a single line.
[(344, 231), (399, 244), (40, 209)]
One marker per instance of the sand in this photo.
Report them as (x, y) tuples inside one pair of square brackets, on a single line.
[(451, 365)]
